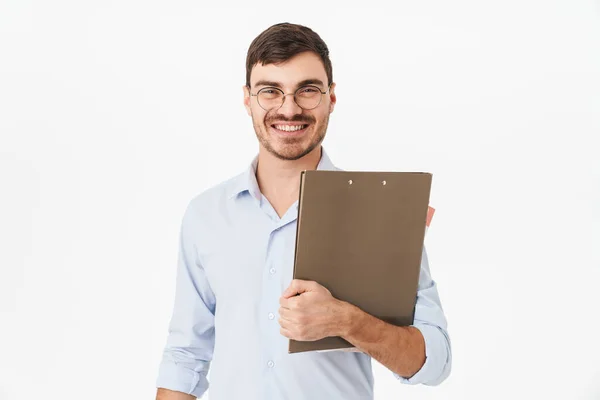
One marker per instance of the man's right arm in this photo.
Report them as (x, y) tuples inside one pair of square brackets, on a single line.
[(166, 394), (190, 344)]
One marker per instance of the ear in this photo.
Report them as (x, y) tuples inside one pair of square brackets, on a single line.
[(247, 99), (332, 97)]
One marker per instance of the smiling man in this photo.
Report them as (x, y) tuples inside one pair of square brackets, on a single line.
[(236, 304)]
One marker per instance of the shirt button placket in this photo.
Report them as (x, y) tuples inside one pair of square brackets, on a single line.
[(271, 298)]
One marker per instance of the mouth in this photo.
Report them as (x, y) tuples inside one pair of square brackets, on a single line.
[(290, 129)]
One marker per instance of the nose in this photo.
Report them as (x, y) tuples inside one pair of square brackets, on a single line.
[(289, 108)]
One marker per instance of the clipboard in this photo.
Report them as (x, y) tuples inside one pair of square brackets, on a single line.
[(360, 234)]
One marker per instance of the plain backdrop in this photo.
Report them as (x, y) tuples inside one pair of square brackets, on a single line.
[(114, 114)]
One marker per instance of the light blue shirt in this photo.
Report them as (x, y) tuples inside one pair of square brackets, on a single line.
[(235, 260)]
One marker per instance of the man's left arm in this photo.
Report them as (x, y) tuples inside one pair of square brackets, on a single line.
[(420, 353)]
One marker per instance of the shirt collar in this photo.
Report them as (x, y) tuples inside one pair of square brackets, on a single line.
[(246, 182)]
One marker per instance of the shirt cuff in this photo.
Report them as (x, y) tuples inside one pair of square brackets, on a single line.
[(436, 358), (175, 377)]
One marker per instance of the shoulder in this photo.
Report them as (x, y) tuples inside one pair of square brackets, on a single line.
[(217, 193)]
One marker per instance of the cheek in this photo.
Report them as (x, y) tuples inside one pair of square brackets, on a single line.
[(323, 115), (319, 121), (258, 118)]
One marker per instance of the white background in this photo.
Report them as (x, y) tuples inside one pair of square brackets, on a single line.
[(114, 114)]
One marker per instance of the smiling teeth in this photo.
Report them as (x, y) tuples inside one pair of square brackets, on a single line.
[(289, 128)]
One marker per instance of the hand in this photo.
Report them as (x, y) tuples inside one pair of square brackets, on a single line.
[(309, 312)]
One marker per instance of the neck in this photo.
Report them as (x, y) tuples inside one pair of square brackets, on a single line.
[(278, 179)]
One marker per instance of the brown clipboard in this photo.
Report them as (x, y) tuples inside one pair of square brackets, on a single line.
[(361, 234)]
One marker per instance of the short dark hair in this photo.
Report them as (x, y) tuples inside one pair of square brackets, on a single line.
[(283, 41)]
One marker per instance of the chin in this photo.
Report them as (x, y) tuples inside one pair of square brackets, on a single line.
[(289, 152), (289, 148), (293, 151)]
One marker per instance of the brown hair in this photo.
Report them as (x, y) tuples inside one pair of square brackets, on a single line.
[(283, 41)]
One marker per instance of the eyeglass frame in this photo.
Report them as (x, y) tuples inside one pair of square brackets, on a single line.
[(287, 94)]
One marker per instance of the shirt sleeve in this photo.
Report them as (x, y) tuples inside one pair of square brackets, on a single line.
[(190, 342), (431, 321)]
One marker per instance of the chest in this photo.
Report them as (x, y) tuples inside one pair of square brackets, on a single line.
[(247, 264)]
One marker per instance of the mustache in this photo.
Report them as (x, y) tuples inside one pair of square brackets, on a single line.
[(295, 118)]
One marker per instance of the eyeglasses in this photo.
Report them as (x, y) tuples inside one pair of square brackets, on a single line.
[(306, 97)]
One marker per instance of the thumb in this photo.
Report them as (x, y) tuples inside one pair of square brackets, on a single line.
[(297, 286)]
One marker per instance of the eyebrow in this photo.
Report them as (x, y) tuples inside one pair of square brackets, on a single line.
[(312, 81)]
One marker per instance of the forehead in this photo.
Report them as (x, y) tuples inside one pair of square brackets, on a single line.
[(306, 65)]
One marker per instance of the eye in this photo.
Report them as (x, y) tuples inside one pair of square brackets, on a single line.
[(308, 92), (269, 94)]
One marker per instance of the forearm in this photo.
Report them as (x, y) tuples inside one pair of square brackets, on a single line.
[(401, 349), (166, 394)]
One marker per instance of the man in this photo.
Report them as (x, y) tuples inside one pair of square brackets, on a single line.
[(235, 304)]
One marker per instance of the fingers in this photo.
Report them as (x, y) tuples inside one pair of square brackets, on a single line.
[(298, 286), (286, 333), (285, 313), (289, 319), (286, 325), (286, 303), (289, 329), (290, 291)]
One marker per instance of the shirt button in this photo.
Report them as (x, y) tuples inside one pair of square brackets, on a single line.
[(271, 315), (272, 271), (270, 364)]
